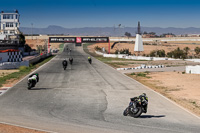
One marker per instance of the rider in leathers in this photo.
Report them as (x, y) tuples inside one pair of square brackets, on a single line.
[(34, 77), (139, 98), (64, 63)]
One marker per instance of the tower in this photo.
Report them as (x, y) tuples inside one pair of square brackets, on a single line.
[(138, 41), (9, 22), (138, 28)]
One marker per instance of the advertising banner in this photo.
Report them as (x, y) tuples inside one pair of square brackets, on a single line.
[(62, 40), (78, 39), (95, 39)]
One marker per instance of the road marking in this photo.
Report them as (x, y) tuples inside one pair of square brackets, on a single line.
[(3, 90)]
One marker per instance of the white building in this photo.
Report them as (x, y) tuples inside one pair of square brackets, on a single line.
[(9, 22), (193, 69)]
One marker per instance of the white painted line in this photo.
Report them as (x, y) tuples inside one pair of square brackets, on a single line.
[(4, 87), (3, 90), (27, 127)]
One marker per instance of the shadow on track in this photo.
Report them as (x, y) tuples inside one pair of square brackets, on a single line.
[(152, 116), (40, 88)]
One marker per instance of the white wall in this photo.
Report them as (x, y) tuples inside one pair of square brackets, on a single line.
[(195, 60), (193, 69), (159, 39), (13, 65), (4, 57), (99, 53)]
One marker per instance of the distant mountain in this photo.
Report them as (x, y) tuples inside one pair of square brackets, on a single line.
[(106, 31)]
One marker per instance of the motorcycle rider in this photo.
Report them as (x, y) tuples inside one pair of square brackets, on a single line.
[(90, 59), (64, 63), (71, 60), (34, 77), (140, 98)]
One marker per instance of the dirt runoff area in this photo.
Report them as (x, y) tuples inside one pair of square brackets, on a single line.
[(4, 128), (182, 88), (167, 46)]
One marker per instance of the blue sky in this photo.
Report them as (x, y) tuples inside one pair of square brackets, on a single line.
[(106, 13)]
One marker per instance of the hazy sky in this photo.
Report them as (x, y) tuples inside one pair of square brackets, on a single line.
[(106, 13)]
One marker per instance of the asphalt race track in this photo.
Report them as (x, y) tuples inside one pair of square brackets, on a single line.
[(89, 98)]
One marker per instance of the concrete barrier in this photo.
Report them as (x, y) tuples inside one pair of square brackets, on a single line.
[(13, 65), (99, 53), (110, 55), (159, 58), (38, 58), (194, 60), (124, 56), (141, 67)]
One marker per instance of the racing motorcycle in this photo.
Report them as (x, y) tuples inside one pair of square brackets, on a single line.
[(31, 83), (70, 61), (141, 107)]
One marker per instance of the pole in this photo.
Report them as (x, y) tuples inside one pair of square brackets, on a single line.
[(48, 46), (108, 46), (119, 32), (32, 31)]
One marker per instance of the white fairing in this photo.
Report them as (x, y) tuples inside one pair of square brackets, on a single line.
[(138, 43), (34, 77)]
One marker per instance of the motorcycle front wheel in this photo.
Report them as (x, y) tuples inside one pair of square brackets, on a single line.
[(29, 85), (138, 113), (125, 113)]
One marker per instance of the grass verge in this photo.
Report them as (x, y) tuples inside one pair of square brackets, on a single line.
[(23, 70), (61, 47)]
